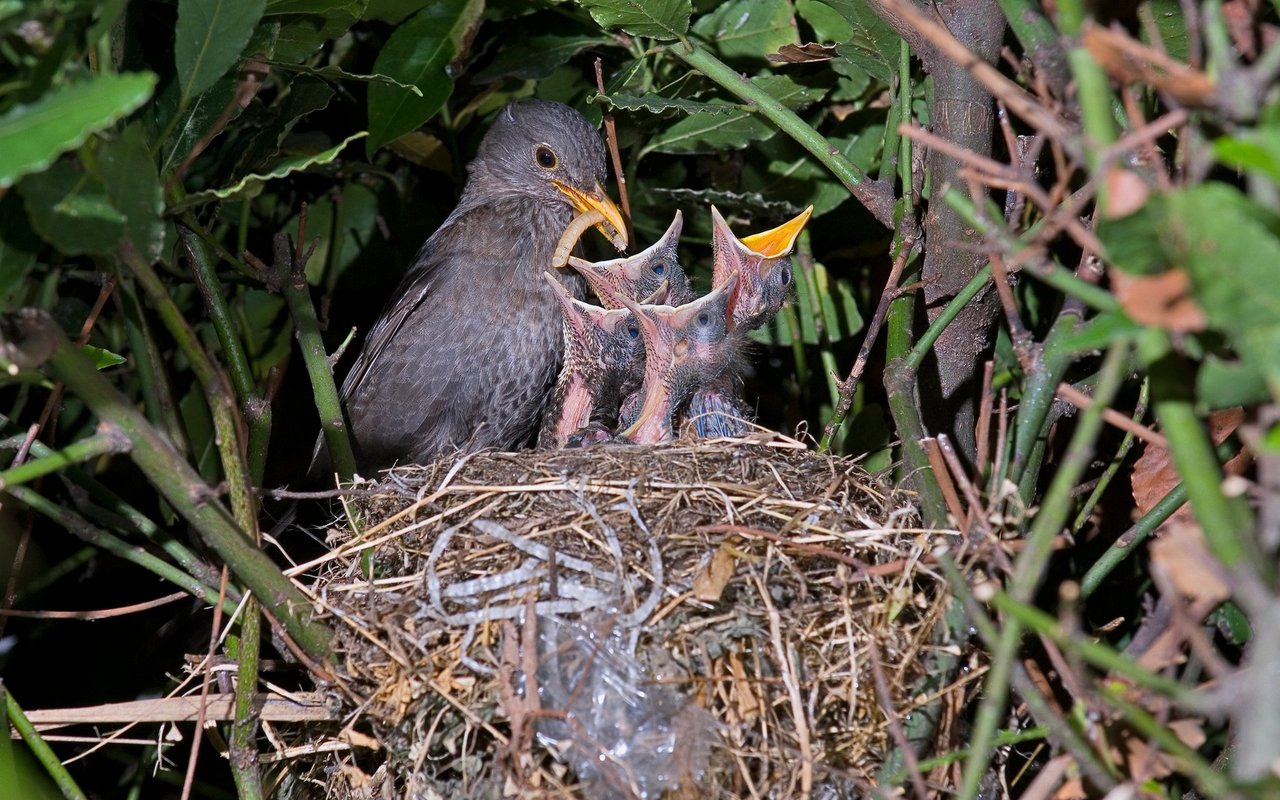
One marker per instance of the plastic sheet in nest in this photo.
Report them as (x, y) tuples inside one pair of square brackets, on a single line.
[(633, 622)]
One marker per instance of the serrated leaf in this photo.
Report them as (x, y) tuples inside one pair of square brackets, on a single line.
[(657, 104), (657, 19), (133, 185), (252, 184), (536, 57), (208, 41), (70, 209), (419, 52), (872, 45), (732, 131), (748, 28), (301, 34), (306, 95), (32, 136), (102, 358), (339, 74)]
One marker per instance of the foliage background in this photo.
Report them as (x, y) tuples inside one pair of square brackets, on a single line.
[(146, 145)]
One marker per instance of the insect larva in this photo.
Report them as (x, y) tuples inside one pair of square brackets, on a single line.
[(577, 226)]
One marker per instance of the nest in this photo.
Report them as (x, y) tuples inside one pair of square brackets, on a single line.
[(686, 620)]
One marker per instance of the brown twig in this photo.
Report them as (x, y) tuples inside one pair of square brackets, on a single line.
[(1017, 99), (611, 136), (895, 723), (102, 613), (204, 686), (1083, 401), (943, 476), (849, 385)]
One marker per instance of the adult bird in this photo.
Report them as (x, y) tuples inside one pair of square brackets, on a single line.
[(466, 353)]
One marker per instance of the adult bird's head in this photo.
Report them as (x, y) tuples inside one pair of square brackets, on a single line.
[(762, 263), (546, 152), (640, 276)]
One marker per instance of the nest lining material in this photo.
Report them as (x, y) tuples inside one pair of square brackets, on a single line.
[(703, 619)]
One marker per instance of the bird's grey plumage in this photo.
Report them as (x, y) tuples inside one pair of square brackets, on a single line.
[(468, 349)]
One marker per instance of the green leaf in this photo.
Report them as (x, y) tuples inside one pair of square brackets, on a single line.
[(394, 11), (705, 133), (133, 185), (19, 247), (1254, 151), (1226, 384), (748, 28), (33, 135), (702, 198), (209, 38), (657, 104), (314, 22), (873, 45), (71, 210), (306, 95), (339, 74), (827, 23), (252, 184), (1227, 245), (658, 19), (102, 358), (419, 52), (537, 57)]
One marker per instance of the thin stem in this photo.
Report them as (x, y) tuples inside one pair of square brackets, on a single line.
[(39, 748), (1031, 563), (877, 197), (242, 747), (83, 530), (952, 310), (175, 479), (105, 441)]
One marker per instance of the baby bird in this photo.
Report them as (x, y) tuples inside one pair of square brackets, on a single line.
[(603, 355), (641, 277), (761, 264), (686, 347)]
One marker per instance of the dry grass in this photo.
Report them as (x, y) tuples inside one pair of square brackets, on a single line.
[(704, 621)]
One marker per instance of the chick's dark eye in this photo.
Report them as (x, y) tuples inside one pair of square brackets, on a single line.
[(659, 268), (545, 157), (704, 319), (633, 331), (785, 277)]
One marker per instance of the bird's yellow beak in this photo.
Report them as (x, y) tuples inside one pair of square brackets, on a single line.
[(780, 240), (613, 228)]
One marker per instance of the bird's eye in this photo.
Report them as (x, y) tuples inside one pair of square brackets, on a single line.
[(785, 277), (704, 319), (545, 157), (633, 331), (659, 268)]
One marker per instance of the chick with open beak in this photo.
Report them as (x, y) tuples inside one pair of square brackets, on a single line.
[(685, 347), (640, 277), (761, 264), (603, 352)]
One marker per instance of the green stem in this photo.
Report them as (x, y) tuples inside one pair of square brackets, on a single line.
[(157, 393), (1031, 563), (39, 748), (1226, 522), (1052, 360), (877, 197), (256, 411), (243, 751), (953, 308), (86, 449), (307, 329), (1113, 468), (81, 529), (1095, 653), (1093, 88), (176, 481)]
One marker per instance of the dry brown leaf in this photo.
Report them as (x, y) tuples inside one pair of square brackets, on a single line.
[(1126, 192), (1142, 762), (1154, 474), (1162, 301), (712, 578), (802, 53), (1184, 556)]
